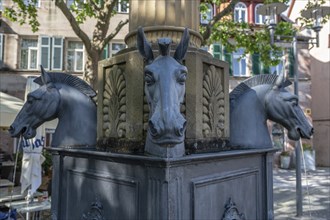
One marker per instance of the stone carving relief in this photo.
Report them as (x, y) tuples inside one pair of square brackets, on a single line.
[(114, 101), (213, 103), (231, 212), (95, 212)]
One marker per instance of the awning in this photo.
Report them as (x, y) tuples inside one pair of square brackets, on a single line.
[(9, 108)]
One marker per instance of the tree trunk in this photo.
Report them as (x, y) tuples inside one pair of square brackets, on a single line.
[(91, 69)]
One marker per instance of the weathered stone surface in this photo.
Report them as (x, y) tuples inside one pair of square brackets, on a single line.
[(123, 111)]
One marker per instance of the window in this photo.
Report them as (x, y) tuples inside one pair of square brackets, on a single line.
[(51, 52), (57, 53), (1, 49), (45, 52), (69, 3), (32, 2), (122, 6), (75, 56), (79, 4), (116, 47), (240, 12), (258, 18), (29, 54), (49, 136), (239, 63), (111, 49), (279, 68), (206, 17)]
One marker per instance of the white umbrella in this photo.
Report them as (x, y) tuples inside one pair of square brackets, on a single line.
[(32, 149)]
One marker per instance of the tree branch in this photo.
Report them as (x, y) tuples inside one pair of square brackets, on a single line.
[(206, 35), (113, 34), (75, 26), (94, 6)]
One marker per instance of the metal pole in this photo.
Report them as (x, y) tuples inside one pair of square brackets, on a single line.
[(299, 196)]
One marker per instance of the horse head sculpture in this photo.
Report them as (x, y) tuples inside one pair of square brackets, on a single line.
[(260, 98), (61, 96), (165, 78), (282, 107)]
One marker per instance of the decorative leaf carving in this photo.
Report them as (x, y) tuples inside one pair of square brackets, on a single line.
[(114, 101), (213, 104), (231, 212), (95, 212)]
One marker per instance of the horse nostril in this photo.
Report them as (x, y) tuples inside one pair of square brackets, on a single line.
[(312, 131), (23, 130), (153, 131), (181, 130), (11, 129)]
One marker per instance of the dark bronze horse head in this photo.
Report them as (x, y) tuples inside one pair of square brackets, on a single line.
[(165, 78), (41, 105), (283, 108), (258, 99), (61, 96)]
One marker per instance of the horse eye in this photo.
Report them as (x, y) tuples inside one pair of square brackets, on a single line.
[(294, 102), (182, 77), (30, 99), (149, 79)]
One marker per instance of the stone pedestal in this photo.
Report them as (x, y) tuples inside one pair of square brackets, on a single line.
[(123, 112), (98, 185)]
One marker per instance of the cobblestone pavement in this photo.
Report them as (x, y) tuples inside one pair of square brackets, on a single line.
[(316, 194)]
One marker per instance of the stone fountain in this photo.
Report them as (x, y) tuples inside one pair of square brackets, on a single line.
[(125, 178)]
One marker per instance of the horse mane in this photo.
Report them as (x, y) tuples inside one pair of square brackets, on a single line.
[(264, 79), (69, 80), (164, 46)]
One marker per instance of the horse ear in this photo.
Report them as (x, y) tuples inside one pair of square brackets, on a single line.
[(181, 50), (282, 81), (144, 46), (45, 78), (279, 81)]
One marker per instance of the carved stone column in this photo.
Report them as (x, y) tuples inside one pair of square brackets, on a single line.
[(164, 18)]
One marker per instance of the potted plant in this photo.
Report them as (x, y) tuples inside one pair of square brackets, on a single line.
[(285, 159), (309, 157)]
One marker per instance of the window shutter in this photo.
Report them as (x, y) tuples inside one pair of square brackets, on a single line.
[(265, 69), (105, 53), (1, 49), (45, 51), (57, 53), (229, 59), (256, 64), (291, 63), (217, 51)]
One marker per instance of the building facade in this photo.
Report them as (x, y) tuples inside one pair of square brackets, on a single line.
[(242, 68), (54, 45)]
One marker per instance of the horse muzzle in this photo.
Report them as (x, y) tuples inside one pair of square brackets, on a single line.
[(26, 131), (169, 133), (306, 132)]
